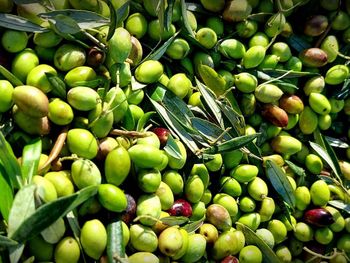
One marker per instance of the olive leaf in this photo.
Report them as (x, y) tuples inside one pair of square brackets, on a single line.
[(209, 130), (185, 21), (175, 127), (193, 226), (298, 171), (30, 159), (232, 144), (6, 242), (6, 194), (64, 25), (297, 43), (340, 205), (58, 85), (275, 73), (212, 79), (198, 8), (48, 213), (209, 100), (143, 120), (116, 17), (235, 119), (54, 232), (252, 238), (84, 18), (115, 247), (10, 77), (174, 220), (15, 253), (344, 92), (19, 23), (172, 148), (12, 169), (280, 182), (157, 53), (169, 14), (334, 165), (21, 2), (74, 225), (128, 120), (335, 142), (22, 208)]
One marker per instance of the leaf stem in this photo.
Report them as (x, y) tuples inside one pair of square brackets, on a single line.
[(118, 132), (57, 148)]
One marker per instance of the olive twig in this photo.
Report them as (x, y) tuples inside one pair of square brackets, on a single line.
[(278, 78), (118, 132), (220, 136), (56, 149), (95, 40), (119, 259), (72, 157)]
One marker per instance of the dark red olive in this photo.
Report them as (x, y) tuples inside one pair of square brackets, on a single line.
[(230, 259), (318, 217), (162, 134), (275, 115), (130, 211), (181, 208)]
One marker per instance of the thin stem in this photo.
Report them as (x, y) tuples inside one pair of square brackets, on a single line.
[(221, 135), (57, 148), (95, 40), (132, 134)]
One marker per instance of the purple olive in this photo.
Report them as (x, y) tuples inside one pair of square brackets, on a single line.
[(181, 208), (318, 217)]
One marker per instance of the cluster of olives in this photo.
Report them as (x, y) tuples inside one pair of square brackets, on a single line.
[(93, 92)]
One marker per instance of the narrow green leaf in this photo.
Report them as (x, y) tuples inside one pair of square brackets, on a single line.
[(159, 52), (280, 182), (128, 121), (175, 127), (193, 226), (54, 232), (85, 19), (174, 220), (15, 253), (210, 101), (74, 226), (233, 117), (178, 108), (113, 20), (144, 120), (212, 79), (232, 144), (344, 92), (172, 148), (89, 83), (7, 242), (48, 213), (297, 43), (22, 208), (252, 239), (335, 142), (184, 17), (6, 194), (340, 205), (64, 24), (275, 73), (30, 159), (296, 169), (19, 23), (325, 156), (209, 130), (58, 85), (115, 245), (197, 8), (135, 85), (161, 14), (9, 76), (169, 14), (327, 179)]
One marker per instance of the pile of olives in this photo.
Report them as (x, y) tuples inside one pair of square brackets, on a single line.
[(89, 95)]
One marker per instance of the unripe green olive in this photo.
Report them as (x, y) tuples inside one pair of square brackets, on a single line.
[(93, 238)]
